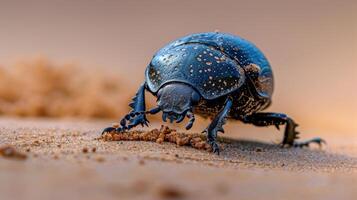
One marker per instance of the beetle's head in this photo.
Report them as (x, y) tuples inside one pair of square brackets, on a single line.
[(175, 100)]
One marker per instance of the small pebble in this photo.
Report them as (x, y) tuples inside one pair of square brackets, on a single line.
[(8, 151), (170, 192), (100, 159), (85, 150), (258, 149)]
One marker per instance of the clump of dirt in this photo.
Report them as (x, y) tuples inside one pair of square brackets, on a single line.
[(8, 151), (164, 134)]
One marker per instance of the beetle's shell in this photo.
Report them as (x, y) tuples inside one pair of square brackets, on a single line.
[(214, 63)]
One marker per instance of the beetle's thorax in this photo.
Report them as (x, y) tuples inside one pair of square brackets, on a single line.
[(175, 99)]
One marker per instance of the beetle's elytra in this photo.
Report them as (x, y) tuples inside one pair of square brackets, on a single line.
[(210, 74)]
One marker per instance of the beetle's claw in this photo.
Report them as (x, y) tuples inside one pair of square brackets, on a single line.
[(215, 147), (307, 143), (277, 126), (113, 129), (108, 130), (144, 122), (213, 144), (140, 119)]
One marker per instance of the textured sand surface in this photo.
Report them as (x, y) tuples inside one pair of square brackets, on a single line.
[(66, 161)]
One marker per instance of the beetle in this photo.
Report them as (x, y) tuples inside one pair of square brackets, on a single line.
[(213, 74)]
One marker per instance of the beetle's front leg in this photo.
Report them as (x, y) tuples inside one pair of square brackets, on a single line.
[(217, 126), (138, 106)]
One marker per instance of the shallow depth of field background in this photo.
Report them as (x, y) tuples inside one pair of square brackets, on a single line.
[(86, 58)]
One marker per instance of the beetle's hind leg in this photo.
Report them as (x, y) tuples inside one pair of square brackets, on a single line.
[(217, 126), (276, 119), (136, 116)]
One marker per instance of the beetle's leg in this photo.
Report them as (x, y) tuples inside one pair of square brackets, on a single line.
[(276, 119), (128, 117), (134, 115), (217, 125), (137, 105)]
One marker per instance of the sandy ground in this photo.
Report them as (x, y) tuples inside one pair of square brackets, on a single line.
[(65, 161)]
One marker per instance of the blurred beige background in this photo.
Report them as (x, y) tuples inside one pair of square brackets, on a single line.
[(311, 44)]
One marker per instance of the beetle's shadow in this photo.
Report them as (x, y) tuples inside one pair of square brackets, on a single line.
[(247, 144), (273, 155)]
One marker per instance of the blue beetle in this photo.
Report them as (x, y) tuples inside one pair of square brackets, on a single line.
[(213, 74)]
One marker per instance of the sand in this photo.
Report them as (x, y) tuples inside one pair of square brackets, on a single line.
[(41, 88), (65, 160)]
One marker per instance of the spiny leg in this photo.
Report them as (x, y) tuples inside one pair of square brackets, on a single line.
[(133, 115), (137, 105), (217, 125), (276, 119), (128, 117)]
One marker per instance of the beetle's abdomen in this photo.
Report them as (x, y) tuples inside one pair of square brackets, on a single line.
[(203, 67)]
